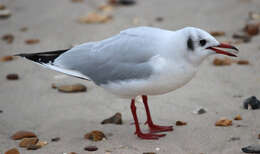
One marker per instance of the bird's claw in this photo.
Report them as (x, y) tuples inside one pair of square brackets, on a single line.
[(149, 136)]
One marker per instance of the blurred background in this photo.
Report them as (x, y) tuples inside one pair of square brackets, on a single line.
[(28, 101)]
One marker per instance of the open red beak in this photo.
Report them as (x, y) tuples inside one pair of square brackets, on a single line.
[(223, 45)]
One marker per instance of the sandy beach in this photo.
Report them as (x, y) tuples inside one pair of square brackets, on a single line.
[(31, 104)]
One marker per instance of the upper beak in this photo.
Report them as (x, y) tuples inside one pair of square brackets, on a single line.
[(227, 46)]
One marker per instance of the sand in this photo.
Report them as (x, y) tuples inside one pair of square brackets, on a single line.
[(31, 104)]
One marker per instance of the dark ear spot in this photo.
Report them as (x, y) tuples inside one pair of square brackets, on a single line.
[(190, 44)]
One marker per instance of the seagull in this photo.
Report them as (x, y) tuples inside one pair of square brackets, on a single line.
[(138, 61)]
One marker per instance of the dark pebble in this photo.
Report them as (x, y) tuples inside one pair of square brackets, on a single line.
[(12, 77), (252, 149), (253, 102), (1, 111), (245, 38), (56, 139), (115, 119), (159, 19), (91, 148), (126, 2), (234, 139)]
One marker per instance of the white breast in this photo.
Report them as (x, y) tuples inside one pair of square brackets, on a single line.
[(167, 76)]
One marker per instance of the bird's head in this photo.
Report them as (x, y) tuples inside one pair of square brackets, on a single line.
[(199, 44)]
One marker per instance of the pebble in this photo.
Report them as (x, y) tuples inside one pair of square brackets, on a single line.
[(126, 2), (223, 122), (217, 33), (180, 123), (12, 151), (71, 88), (22, 134), (5, 13), (8, 38), (159, 19), (222, 62), (56, 139), (91, 148), (115, 119), (251, 102), (1, 111), (26, 142), (6, 58), (255, 148), (95, 135), (242, 62), (12, 76), (2, 7), (251, 29), (200, 110), (149, 153), (238, 117), (244, 37), (32, 41), (234, 139)]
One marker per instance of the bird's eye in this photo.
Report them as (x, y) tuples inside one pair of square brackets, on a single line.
[(203, 42)]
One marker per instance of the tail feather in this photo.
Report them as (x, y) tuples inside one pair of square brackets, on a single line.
[(46, 60), (43, 57)]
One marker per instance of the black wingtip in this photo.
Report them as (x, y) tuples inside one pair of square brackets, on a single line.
[(42, 57)]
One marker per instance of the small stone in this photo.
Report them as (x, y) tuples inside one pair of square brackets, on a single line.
[(6, 58), (180, 123), (12, 151), (95, 18), (238, 117), (12, 77), (22, 134), (5, 13), (26, 142), (90, 148), (149, 153), (258, 136), (115, 119), (95, 135), (255, 148), (252, 29), (223, 122), (217, 33), (72, 153), (33, 147), (24, 29), (56, 139), (251, 102), (159, 19), (222, 62), (244, 37), (126, 2), (8, 38), (2, 7), (1, 111), (72, 88), (234, 139), (243, 62), (32, 41), (200, 110)]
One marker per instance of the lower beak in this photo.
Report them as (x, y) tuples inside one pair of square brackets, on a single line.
[(227, 46)]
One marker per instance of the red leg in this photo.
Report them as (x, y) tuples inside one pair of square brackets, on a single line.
[(138, 132), (152, 126)]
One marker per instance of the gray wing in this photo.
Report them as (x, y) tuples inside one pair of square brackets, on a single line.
[(122, 57)]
